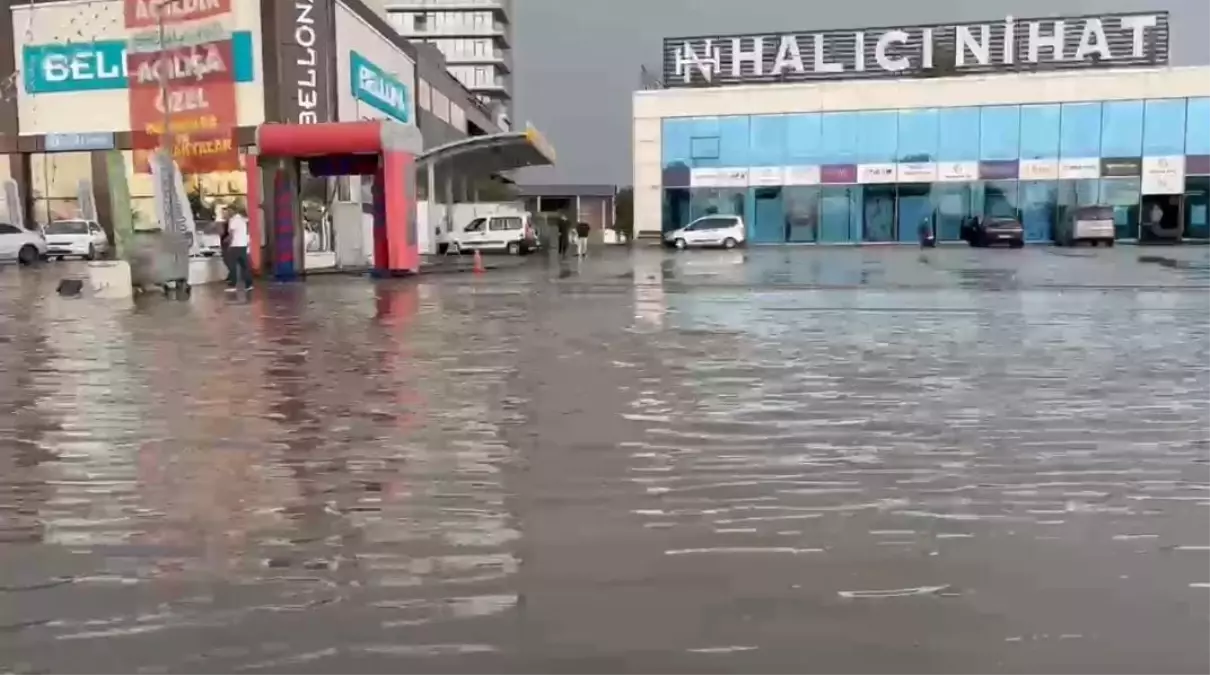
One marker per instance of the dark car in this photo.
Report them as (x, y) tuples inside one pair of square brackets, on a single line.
[(983, 232)]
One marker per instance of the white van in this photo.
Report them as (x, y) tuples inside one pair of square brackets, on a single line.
[(725, 231), (512, 233)]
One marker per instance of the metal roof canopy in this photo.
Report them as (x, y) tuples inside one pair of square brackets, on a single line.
[(484, 156)]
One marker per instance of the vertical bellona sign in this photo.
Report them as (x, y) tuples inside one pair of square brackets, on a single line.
[(1011, 45)]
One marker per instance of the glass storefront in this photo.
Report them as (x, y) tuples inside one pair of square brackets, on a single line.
[(878, 176)]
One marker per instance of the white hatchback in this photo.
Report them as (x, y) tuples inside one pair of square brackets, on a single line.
[(76, 238), (724, 231), (25, 246)]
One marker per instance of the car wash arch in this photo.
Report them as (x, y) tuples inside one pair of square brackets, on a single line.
[(285, 153)]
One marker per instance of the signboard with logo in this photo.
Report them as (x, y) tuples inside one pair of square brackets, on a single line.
[(1087, 168), (916, 172), (83, 142), (186, 82), (711, 177), (101, 65), (806, 174), (1121, 167), (379, 89), (875, 173), (1039, 169), (957, 172), (304, 35), (1164, 175), (767, 176), (1011, 45)]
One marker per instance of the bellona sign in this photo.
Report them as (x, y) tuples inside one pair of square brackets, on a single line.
[(1011, 45)]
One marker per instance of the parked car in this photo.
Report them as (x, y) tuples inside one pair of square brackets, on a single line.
[(1093, 224), (75, 238), (725, 231), (982, 232), (24, 246), (512, 233)]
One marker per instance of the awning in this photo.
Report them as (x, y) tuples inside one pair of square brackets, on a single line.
[(485, 156)]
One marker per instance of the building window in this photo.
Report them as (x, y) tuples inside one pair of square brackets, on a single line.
[(1197, 127), (803, 139), (1164, 127), (1040, 131), (1122, 129), (958, 140), (1000, 133), (838, 138), (877, 137), (1123, 195), (420, 22), (767, 140), (839, 214), (1080, 130), (918, 134), (424, 95)]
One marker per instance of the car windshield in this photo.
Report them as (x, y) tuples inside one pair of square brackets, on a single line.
[(67, 227)]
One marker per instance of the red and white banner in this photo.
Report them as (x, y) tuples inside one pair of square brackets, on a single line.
[(147, 13)]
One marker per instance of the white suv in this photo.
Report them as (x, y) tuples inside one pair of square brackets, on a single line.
[(25, 246), (725, 231), (512, 233)]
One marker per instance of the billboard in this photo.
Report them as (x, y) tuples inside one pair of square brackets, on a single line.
[(1011, 45), (181, 75)]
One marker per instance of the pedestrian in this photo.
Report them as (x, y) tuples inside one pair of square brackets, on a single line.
[(564, 235), (238, 268), (582, 230)]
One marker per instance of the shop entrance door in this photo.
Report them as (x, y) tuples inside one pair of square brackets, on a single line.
[(769, 216), (915, 206), (1161, 220)]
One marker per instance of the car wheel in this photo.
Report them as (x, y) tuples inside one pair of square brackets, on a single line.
[(680, 244), (1109, 243), (729, 243), (28, 255), (514, 248), (1017, 243)]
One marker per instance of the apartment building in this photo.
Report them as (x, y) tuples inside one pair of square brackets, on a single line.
[(474, 35)]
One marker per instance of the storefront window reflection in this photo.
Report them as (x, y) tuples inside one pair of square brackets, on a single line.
[(999, 199), (1197, 207), (839, 214), (802, 214), (1123, 195), (56, 184), (953, 205), (1039, 209)]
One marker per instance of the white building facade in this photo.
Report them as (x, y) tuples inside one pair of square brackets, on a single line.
[(862, 136), (475, 36)]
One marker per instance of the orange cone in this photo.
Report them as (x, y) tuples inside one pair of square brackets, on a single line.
[(479, 268)]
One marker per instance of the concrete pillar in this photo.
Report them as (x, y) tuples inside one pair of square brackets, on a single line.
[(578, 217), (433, 223)]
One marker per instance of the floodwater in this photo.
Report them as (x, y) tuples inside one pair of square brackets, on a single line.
[(780, 460)]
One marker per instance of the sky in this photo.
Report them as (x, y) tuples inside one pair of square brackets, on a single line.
[(577, 61)]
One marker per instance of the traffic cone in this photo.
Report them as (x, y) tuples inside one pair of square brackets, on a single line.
[(479, 268)]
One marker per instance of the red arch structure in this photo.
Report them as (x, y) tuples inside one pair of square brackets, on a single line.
[(383, 149)]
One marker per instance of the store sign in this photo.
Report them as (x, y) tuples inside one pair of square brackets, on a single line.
[(143, 13), (875, 173), (83, 142), (838, 174), (1164, 175), (1039, 169), (1088, 168), (1121, 167), (999, 169), (718, 177), (305, 35), (957, 172), (1082, 42), (766, 176), (102, 65), (1197, 165), (379, 89), (806, 174), (916, 172)]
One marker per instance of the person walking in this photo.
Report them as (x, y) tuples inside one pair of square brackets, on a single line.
[(238, 268), (564, 235), (582, 231)]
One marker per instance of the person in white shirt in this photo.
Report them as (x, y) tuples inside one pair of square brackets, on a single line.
[(238, 268)]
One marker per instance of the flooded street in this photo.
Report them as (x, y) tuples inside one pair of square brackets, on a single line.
[(779, 460)]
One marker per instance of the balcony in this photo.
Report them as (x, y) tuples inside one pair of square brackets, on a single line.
[(502, 59), (501, 9), (498, 32)]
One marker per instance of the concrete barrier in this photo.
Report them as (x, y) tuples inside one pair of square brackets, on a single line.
[(110, 279), (206, 271)]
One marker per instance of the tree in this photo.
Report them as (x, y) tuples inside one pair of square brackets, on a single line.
[(623, 206)]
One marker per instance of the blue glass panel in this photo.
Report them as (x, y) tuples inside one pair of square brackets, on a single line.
[(676, 209), (675, 138), (802, 213), (1123, 194), (767, 140), (1122, 129), (704, 142), (1197, 127), (877, 137), (878, 205), (1080, 130), (836, 213), (918, 135), (838, 138), (733, 141), (958, 138), (803, 139), (998, 198), (1164, 127), (1000, 132), (1039, 207), (953, 207), (1040, 131), (914, 210)]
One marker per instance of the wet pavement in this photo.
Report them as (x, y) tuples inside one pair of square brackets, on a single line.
[(780, 460)]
